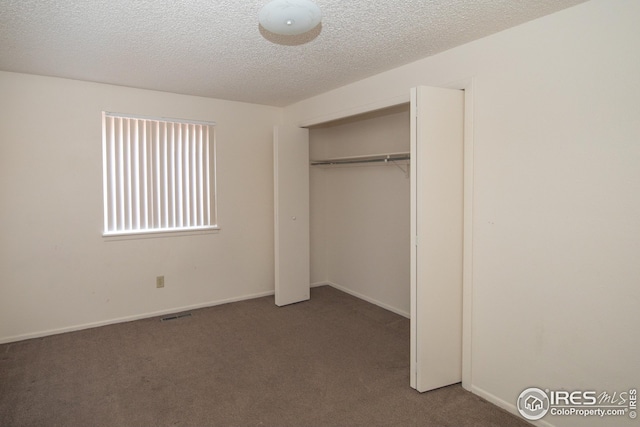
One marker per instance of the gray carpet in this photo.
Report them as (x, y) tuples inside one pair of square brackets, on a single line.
[(332, 361)]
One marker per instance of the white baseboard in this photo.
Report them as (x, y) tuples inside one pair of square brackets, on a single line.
[(366, 298), (40, 334), (316, 284), (509, 407)]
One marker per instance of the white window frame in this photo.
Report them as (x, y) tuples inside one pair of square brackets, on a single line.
[(159, 175)]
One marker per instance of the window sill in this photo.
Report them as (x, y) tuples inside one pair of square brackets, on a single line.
[(157, 234)]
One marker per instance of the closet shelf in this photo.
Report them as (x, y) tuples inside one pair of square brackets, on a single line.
[(372, 158)]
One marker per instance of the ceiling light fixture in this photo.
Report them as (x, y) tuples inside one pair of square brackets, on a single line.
[(290, 17)]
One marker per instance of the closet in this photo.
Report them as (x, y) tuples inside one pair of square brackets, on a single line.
[(353, 212), (359, 206)]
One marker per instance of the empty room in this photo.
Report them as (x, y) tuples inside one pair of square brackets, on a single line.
[(319, 213)]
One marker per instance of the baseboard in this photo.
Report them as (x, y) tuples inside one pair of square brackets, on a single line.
[(316, 284), (74, 328), (131, 318), (507, 406), (368, 299)]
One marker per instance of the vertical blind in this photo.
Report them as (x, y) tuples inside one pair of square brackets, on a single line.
[(158, 174)]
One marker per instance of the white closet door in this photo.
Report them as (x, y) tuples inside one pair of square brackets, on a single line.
[(291, 191), (437, 119)]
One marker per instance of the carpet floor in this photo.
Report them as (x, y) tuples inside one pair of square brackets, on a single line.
[(332, 361)]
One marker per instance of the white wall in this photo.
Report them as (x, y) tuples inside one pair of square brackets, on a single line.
[(556, 197), (56, 270), (360, 214)]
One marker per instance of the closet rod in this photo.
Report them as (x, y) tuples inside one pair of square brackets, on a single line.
[(365, 159)]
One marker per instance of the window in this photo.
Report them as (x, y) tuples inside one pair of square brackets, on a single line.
[(158, 175)]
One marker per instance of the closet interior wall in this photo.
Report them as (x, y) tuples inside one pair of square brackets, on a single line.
[(360, 213)]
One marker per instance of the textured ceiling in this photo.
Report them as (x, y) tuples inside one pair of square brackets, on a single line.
[(216, 48)]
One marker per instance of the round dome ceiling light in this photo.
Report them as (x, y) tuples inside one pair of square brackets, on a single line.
[(290, 17)]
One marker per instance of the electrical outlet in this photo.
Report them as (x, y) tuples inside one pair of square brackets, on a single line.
[(160, 282)]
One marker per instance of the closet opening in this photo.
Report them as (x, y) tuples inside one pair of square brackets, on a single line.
[(360, 206)]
